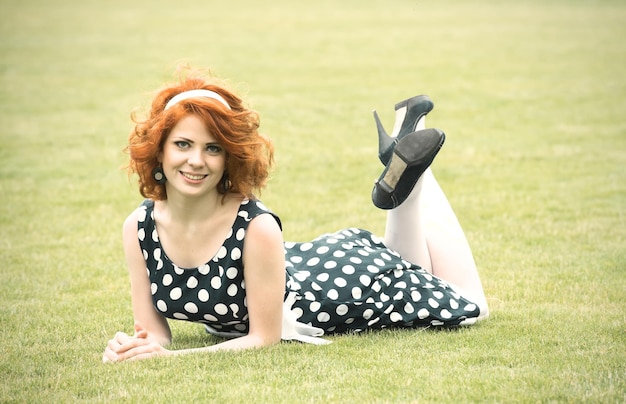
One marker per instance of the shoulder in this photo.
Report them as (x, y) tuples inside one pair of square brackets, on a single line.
[(251, 209), (264, 231), (132, 222)]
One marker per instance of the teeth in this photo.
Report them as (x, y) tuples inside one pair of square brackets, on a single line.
[(194, 177)]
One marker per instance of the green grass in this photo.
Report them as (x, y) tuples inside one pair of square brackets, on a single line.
[(532, 97)]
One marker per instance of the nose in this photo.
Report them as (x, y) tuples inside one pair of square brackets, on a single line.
[(195, 157)]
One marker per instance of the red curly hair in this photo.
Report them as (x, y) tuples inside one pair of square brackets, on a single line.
[(249, 155)]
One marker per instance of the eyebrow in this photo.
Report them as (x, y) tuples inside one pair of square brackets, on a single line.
[(178, 138)]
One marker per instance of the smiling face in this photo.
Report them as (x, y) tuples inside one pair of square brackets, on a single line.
[(193, 161)]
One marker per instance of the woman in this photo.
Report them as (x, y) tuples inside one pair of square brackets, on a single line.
[(202, 248)]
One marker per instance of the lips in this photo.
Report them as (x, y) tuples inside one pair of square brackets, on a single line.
[(193, 177)]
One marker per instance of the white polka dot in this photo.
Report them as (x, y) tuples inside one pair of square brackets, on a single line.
[(314, 306), (153, 288), (145, 256), (210, 318), (356, 260), (316, 286), (401, 285), (298, 312), (313, 261), (398, 296), (162, 306), (332, 294), (234, 308), (376, 287), (180, 316), (204, 269), (395, 317), (141, 234), (470, 307), (235, 253), (309, 296), (203, 295), (373, 269), (191, 308), (240, 327), (155, 236), (232, 290), (306, 246), (339, 254), (445, 314), (365, 280), (231, 273), (296, 259), (332, 240), (348, 269), (178, 271), (323, 277), (221, 309), (176, 293), (384, 297), (216, 282), (302, 275), (454, 304), (192, 282), (367, 314), (342, 309), (141, 214), (423, 313), (363, 253), (379, 262), (322, 250), (221, 253), (433, 303), (416, 296), (330, 264), (340, 282), (438, 294), (386, 256), (356, 292), (323, 317), (240, 234), (408, 308)]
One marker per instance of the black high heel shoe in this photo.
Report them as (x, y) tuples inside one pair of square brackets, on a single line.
[(415, 108), (413, 154)]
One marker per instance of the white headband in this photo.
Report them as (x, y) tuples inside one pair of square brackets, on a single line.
[(193, 94)]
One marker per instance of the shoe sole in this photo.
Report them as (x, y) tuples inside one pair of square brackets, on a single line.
[(410, 159)]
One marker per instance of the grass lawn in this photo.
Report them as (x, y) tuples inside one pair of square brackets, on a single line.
[(531, 95)]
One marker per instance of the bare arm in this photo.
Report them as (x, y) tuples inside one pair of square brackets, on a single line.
[(264, 275), (150, 326)]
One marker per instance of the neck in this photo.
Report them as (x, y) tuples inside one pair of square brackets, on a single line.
[(190, 210)]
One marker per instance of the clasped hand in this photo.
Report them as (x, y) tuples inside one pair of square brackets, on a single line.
[(138, 346)]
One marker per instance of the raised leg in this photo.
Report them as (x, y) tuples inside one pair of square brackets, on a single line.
[(425, 230)]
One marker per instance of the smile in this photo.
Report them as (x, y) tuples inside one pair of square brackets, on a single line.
[(193, 177)]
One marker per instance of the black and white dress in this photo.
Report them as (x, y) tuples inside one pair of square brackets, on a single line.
[(347, 281)]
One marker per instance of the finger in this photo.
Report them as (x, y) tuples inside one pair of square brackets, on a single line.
[(109, 356), (121, 337), (137, 350)]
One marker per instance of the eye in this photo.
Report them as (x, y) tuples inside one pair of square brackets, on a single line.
[(214, 148), (182, 144)]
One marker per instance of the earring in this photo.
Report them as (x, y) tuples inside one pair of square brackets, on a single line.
[(158, 175), (226, 184)]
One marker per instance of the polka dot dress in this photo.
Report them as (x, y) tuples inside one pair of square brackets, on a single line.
[(345, 281)]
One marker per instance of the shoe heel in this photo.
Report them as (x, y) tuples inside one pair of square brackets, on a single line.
[(385, 142)]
